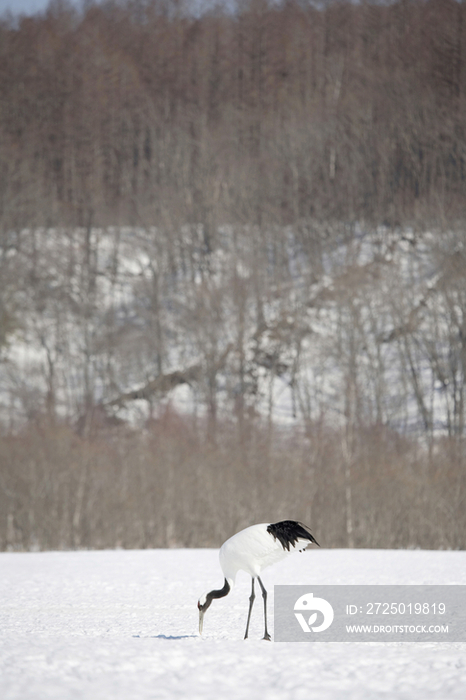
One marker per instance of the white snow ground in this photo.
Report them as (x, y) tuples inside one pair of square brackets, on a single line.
[(123, 624)]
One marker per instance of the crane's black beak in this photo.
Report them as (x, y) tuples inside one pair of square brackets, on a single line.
[(201, 620)]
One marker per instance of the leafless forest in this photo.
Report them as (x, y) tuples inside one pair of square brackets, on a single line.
[(246, 209)]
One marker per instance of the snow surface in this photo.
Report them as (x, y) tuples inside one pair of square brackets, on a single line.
[(123, 624)]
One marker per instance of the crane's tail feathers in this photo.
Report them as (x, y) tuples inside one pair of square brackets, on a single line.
[(291, 532)]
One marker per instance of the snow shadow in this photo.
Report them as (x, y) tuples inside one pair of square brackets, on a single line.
[(168, 637)]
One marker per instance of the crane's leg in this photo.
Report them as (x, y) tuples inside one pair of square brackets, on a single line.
[(264, 595), (251, 601)]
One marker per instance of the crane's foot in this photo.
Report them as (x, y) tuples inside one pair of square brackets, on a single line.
[(267, 637)]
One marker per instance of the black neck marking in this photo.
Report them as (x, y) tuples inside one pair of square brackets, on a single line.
[(287, 532), (218, 594)]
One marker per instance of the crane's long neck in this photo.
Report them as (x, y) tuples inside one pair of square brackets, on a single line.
[(209, 597), (220, 593)]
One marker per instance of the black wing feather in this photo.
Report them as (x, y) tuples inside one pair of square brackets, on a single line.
[(287, 532)]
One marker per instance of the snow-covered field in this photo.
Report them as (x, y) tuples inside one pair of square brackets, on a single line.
[(123, 624)]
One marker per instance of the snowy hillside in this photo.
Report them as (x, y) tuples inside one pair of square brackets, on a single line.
[(123, 624), (293, 325), (152, 374)]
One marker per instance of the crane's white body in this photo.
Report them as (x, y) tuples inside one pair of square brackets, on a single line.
[(251, 550)]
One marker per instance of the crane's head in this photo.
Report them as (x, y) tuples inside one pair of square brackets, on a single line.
[(203, 604)]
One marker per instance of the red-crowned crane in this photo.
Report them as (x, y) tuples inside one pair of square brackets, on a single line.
[(251, 550)]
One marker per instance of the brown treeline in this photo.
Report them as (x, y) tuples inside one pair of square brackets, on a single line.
[(168, 487), (134, 112), (276, 117)]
